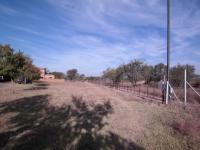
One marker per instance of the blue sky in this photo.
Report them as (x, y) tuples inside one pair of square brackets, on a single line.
[(91, 35)]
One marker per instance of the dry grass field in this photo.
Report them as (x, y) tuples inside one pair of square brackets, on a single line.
[(79, 115)]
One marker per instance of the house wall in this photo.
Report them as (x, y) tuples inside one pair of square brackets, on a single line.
[(42, 72), (49, 76)]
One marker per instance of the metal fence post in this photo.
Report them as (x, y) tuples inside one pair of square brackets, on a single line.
[(185, 87), (167, 93)]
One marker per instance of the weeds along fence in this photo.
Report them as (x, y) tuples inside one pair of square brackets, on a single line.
[(153, 90), (176, 89), (185, 89), (192, 89)]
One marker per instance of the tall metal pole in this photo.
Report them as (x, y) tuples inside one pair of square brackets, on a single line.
[(185, 88), (168, 50), (168, 38)]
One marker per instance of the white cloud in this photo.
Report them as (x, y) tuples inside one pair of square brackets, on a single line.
[(7, 10), (118, 18), (106, 34), (92, 55), (186, 20)]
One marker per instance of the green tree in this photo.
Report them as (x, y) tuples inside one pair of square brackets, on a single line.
[(58, 75), (19, 61), (177, 74), (11, 63), (29, 72), (15, 65), (92, 78), (158, 72), (115, 75), (6, 61), (133, 70), (146, 72), (72, 74)]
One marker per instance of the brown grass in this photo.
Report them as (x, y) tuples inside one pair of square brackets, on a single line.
[(81, 115)]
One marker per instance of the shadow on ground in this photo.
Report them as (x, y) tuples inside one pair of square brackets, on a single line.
[(38, 86), (38, 126)]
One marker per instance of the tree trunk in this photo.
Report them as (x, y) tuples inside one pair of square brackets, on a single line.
[(12, 82)]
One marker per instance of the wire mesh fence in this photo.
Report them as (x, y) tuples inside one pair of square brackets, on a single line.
[(153, 90), (193, 90), (177, 88)]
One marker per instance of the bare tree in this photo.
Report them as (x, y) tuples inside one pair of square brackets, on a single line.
[(72, 74), (146, 72), (115, 75), (133, 71)]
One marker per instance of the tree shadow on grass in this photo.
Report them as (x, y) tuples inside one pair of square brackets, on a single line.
[(42, 84), (38, 126), (38, 86)]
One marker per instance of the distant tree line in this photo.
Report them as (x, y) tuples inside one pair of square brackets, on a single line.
[(137, 70), (71, 74), (14, 65), (58, 75)]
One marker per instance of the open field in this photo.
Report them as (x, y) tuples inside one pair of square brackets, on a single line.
[(81, 115)]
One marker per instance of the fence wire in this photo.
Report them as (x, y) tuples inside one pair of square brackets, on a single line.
[(153, 90), (192, 96)]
